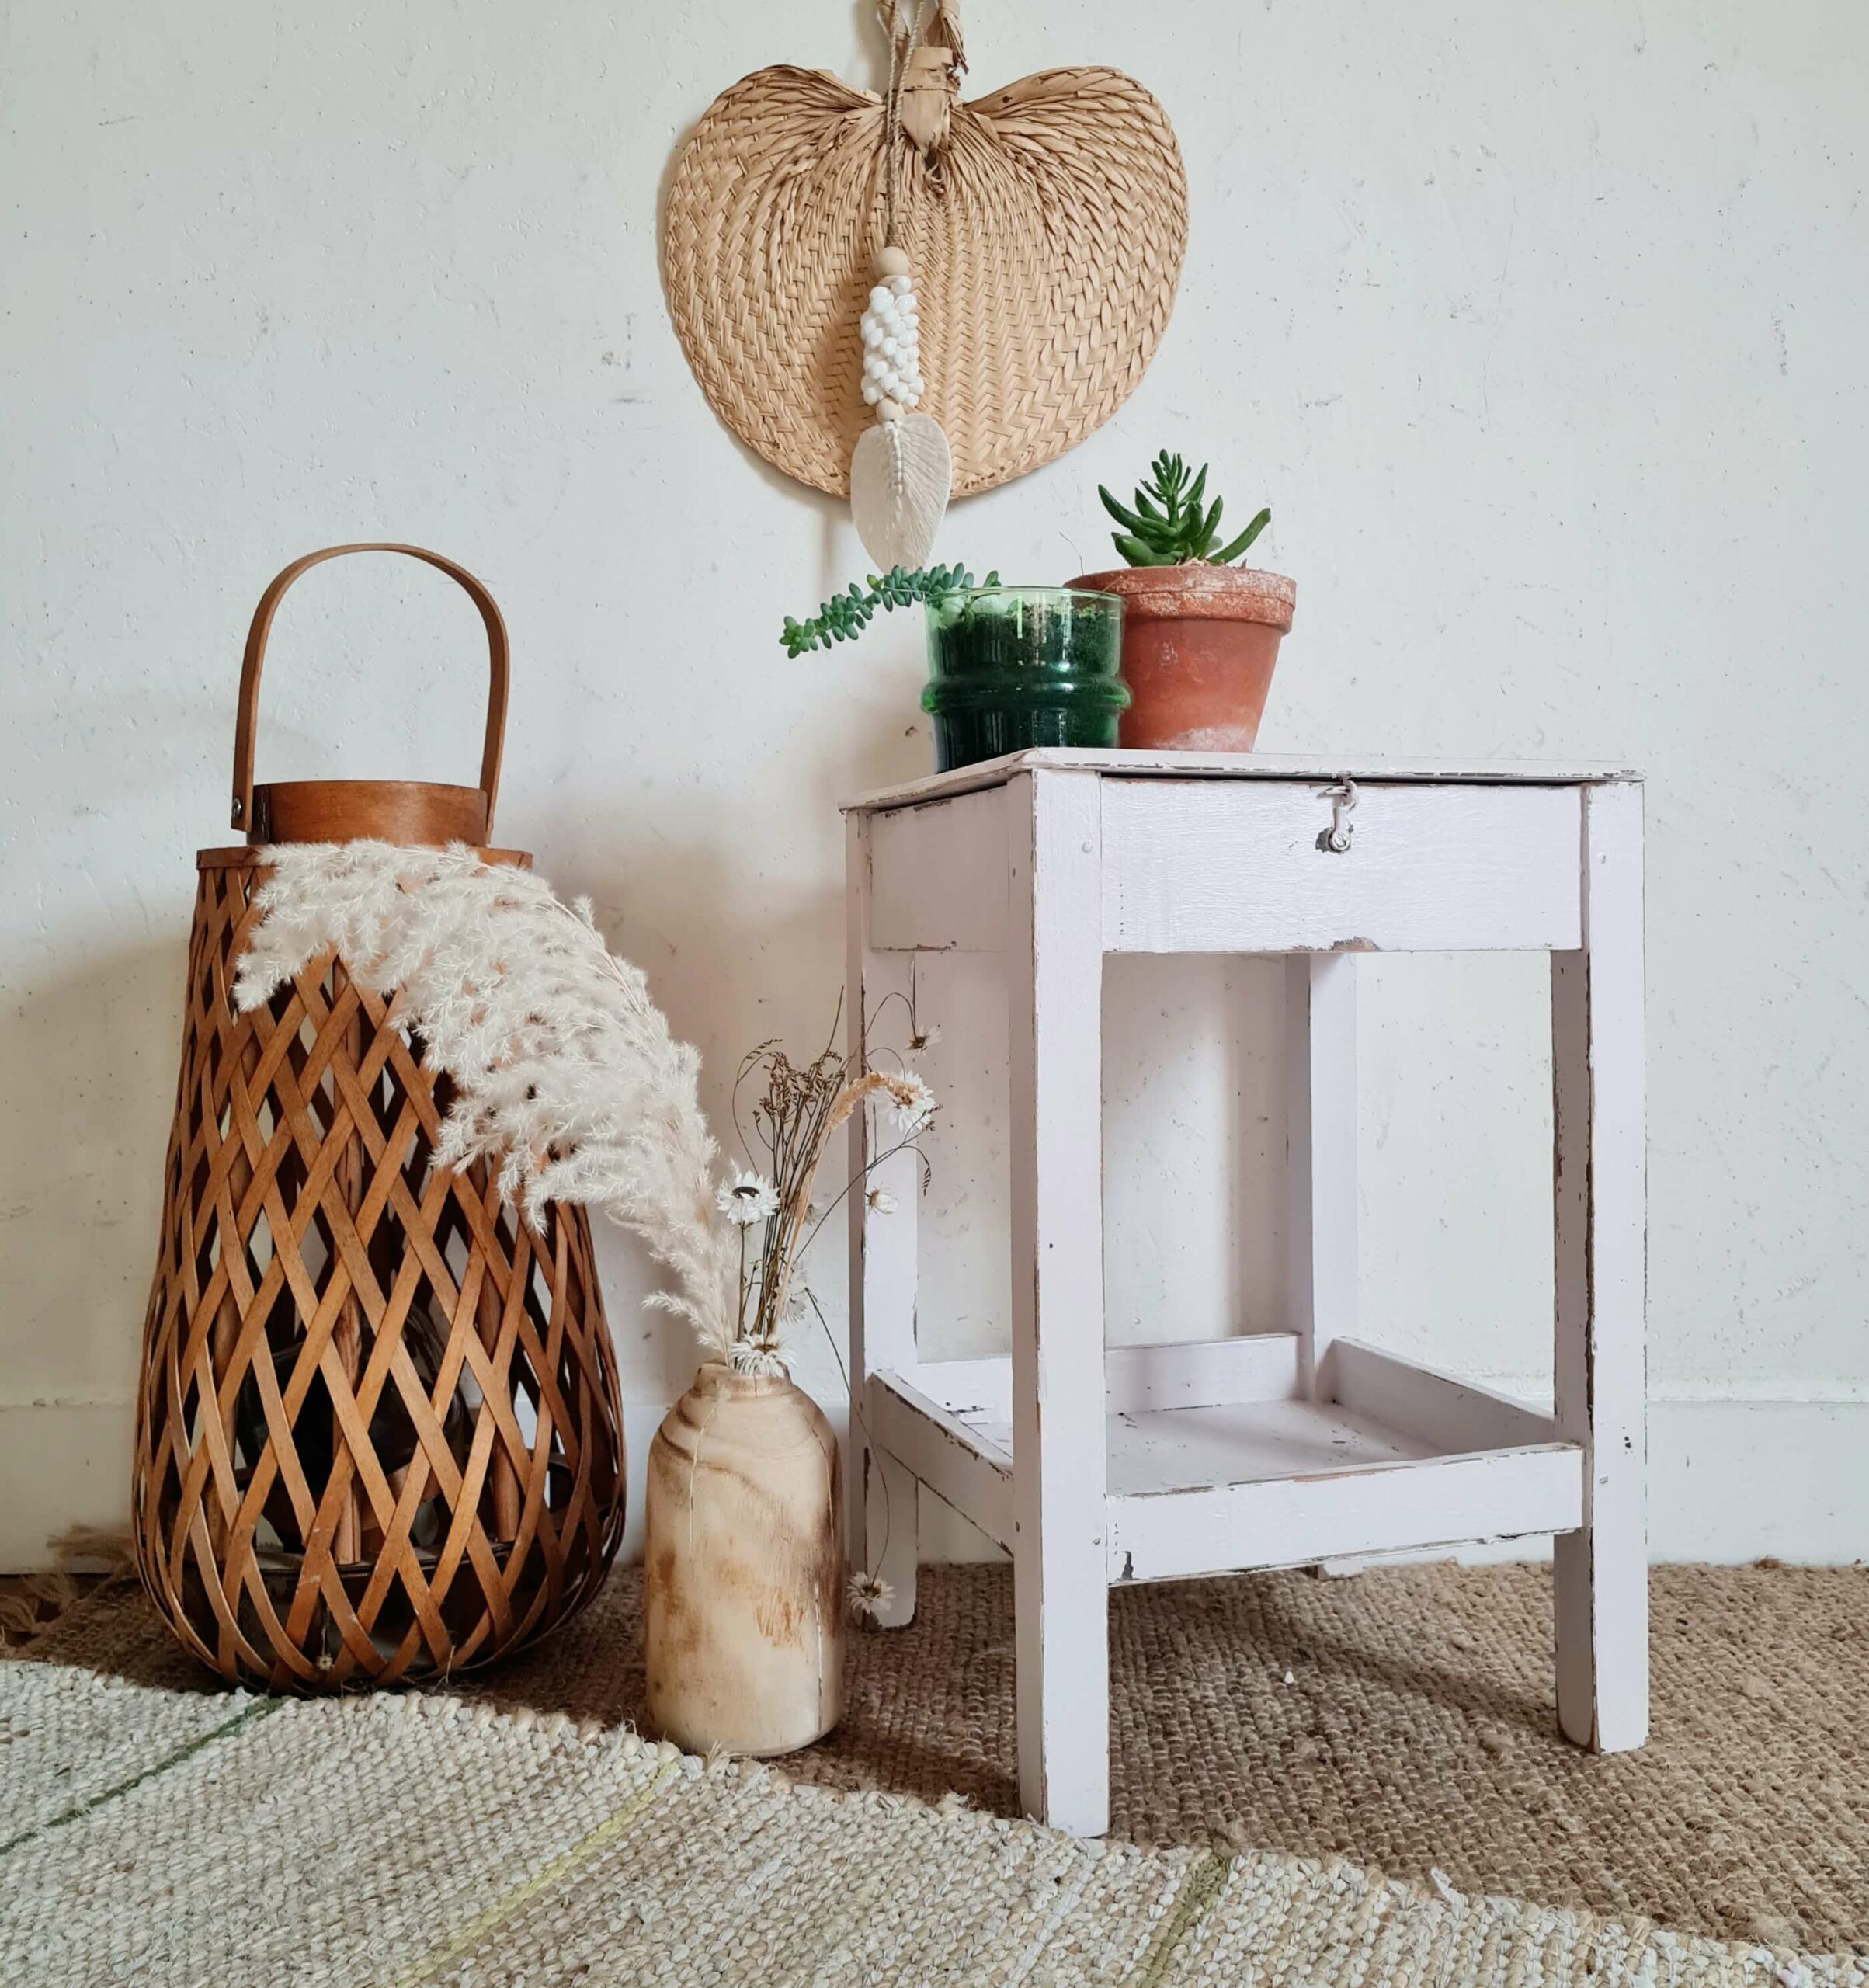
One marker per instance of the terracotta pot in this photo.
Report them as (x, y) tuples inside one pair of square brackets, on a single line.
[(744, 1569), (1199, 645)]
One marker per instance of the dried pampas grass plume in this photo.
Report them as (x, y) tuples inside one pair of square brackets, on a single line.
[(565, 1072)]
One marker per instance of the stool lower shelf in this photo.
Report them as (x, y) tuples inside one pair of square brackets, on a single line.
[(1187, 1449), (1400, 1458)]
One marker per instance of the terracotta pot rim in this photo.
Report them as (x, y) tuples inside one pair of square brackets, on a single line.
[(1195, 592)]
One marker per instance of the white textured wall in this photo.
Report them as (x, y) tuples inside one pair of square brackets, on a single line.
[(1541, 329)]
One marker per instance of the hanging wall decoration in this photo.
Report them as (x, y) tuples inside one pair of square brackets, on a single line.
[(901, 296)]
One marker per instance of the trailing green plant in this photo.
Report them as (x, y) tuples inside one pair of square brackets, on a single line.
[(845, 615), (1168, 527)]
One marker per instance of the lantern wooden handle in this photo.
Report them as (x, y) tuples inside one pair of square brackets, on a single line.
[(248, 712)]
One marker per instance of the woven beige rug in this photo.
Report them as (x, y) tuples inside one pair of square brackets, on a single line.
[(163, 1836), (1414, 1737)]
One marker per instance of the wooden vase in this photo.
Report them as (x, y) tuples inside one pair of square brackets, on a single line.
[(378, 1431), (744, 1568)]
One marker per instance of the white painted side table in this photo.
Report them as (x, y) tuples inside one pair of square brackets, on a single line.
[(1094, 1465)]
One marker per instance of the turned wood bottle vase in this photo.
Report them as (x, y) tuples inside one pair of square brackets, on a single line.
[(744, 1568)]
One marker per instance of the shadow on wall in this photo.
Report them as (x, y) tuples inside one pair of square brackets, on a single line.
[(90, 1061), (729, 969)]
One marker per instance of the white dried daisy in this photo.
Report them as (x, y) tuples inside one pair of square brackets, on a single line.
[(747, 1198), (869, 1595), (911, 1103), (760, 1355), (924, 1038), (881, 1202)]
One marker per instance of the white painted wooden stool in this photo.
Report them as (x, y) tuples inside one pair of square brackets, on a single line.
[(1094, 1465)]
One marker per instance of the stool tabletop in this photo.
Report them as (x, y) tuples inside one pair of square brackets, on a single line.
[(1318, 767)]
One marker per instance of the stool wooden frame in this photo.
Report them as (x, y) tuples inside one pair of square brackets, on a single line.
[(1095, 1465)]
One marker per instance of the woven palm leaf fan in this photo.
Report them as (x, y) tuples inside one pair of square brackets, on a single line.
[(1040, 231)]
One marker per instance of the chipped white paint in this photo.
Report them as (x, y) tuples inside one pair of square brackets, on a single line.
[(965, 1464), (882, 1521), (938, 875), (1213, 866), (1452, 1414), (1206, 1374), (1322, 1217), (1602, 1255), (1290, 1521), (1096, 1466), (1327, 770), (1055, 980), (1550, 321)]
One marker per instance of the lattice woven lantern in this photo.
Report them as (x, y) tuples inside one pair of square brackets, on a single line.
[(378, 1433)]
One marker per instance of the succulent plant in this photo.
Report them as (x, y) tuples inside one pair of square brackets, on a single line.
[(845, 615), (1168, 527)]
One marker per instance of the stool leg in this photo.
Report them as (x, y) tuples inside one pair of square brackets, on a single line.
[(1321, 1169), (1320, 1156), (1054, 962), (882, 1498), (1601, 1572), (891, 1535)]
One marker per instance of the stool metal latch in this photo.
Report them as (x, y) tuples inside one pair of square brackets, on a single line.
[(1335, 840)]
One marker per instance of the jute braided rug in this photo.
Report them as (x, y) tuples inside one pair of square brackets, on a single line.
[(156, 1830)]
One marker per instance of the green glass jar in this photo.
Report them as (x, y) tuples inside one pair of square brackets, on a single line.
[(1014, 667)]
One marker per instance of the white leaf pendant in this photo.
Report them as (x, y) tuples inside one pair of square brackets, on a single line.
[(901, 472)]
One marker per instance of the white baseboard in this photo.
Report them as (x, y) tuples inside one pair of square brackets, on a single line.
[(1729, 1481), (62, 1463), (1734, 1480)]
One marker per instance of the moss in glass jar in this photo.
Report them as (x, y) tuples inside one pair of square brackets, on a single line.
[(1011, 667)]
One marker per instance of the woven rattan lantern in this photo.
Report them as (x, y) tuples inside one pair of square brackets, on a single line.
[(378, 1431)]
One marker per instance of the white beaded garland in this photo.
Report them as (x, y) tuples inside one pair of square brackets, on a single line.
[(902, 470), (892, 359)]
